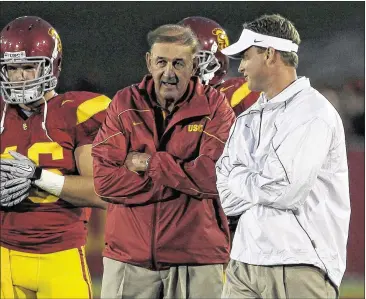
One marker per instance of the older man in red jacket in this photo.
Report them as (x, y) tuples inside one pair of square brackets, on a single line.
[(154, 161)]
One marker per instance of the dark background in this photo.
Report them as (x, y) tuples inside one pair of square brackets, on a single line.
[(105, 42)]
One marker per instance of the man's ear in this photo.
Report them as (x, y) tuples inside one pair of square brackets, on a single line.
[(271, 56), (195, 65), (148, 61)]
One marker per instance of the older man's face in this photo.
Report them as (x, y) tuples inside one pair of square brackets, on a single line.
[(171, 66)]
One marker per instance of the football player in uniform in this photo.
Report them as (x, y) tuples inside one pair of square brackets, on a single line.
[(213, 68), (46, 167)]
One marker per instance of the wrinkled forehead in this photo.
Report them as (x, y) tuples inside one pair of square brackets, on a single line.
[(172, 51)]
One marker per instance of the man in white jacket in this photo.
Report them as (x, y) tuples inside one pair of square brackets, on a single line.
[(284, 170)]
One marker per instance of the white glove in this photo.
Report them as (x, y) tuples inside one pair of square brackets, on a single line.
[(20, 167), (14, 191), (5, 176)]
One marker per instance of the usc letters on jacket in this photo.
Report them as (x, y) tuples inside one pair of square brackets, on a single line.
[(195, 128)]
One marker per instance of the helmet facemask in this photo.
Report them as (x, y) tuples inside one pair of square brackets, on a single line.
[(27, 91), (208, 64)]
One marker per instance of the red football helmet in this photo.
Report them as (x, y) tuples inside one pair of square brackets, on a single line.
[(213, 65), (30, 40)]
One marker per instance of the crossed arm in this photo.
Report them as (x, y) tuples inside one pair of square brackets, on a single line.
[(287, 176), (116, 169)]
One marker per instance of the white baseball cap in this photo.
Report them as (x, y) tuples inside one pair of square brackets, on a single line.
[(250, 38)]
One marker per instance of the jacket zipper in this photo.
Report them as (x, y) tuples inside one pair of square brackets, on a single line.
[(260, 127), (153, 253)]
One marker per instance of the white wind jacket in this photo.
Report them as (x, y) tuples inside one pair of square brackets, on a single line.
[(284, 170)]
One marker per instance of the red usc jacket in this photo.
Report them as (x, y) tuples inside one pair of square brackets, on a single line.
[(171, 214)]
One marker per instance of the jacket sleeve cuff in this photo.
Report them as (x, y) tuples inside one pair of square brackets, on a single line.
[(153, 166)]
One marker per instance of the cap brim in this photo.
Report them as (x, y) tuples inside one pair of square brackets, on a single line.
[(238, 56), (235, 48)]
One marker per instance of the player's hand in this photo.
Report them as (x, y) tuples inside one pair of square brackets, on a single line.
[(137, 161), (5, 176), (20, 167), (14, 191)]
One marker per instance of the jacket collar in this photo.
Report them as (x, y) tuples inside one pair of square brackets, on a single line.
[(194, 104), (289, 92)]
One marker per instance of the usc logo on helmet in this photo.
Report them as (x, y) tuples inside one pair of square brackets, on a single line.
[(52, 32), (222, 39)]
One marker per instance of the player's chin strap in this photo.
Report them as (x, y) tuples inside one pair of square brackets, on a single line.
[(3, 118), (44, 119)]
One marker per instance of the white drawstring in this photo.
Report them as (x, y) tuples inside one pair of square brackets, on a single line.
[(43, 122), (3, 118), (44, 119)]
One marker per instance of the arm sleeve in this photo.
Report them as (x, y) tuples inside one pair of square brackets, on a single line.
[(113, 181), (196, 178), (290, 170), (231, 204)]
